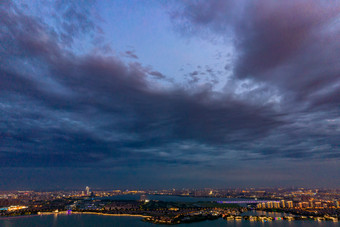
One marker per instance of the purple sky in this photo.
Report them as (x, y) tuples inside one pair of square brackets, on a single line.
[(153, 94)]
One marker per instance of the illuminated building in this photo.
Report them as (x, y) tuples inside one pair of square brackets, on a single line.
[(87, 189), (290, 204), (317, 204), (14, 208), (282, 203), (276, 204), (269, 205)]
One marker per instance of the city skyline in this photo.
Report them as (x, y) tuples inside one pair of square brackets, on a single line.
[(173, 94)]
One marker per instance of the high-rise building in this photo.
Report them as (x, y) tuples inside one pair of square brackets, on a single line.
[(282, 204), (269, 205), (290, 204), (261, 205), (87, 190), (276, 205)]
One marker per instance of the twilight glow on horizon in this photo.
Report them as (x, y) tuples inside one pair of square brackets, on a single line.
[(169, 94)]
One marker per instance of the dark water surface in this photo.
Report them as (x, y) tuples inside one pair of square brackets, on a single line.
[(90, 220)]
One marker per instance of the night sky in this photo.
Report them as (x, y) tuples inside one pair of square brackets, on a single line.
[(169, 94)]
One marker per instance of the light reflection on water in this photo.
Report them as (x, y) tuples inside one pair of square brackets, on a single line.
[(80, 220), (268, 214)]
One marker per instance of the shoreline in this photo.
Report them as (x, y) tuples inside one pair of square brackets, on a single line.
[(75, 212), (272, 219), (105, 214)]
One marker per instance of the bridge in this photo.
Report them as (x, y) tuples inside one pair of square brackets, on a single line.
[(246, 201)]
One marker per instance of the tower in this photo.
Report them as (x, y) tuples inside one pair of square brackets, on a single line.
[(87, 190)]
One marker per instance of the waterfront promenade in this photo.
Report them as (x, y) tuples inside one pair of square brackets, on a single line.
[(246, 201)]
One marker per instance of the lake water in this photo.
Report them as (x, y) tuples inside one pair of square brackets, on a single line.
[(89, 220)]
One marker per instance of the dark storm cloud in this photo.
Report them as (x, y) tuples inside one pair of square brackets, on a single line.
[(62, 108), (291, 45), (59, 108), (286, 52)]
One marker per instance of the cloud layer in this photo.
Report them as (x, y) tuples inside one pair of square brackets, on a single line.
[(61, 106)]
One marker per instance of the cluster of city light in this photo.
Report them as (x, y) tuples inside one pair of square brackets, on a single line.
[(14, 208), (275, 204), (291, 204)]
